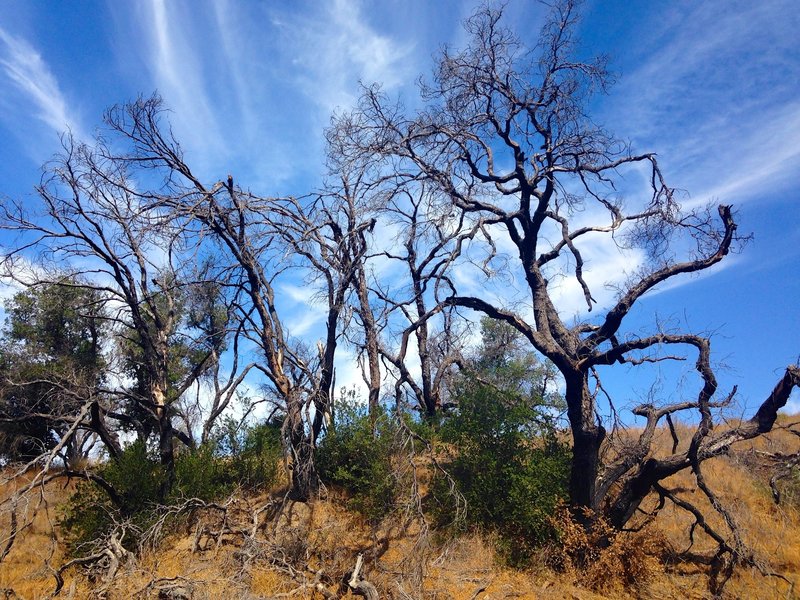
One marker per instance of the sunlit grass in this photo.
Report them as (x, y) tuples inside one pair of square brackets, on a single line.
[(328, 536)]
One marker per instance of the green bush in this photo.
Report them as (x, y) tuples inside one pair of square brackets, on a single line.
[(255, 454), (91, 514), (509, 466), (358, 458), (201, 473), (209, 472)]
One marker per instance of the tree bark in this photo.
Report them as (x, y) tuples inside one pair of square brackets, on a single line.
[(371, 346), (587, 437)]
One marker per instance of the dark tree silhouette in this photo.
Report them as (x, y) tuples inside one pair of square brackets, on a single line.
[(504, 134)]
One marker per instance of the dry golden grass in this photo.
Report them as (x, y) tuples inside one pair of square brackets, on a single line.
[(327, 537)]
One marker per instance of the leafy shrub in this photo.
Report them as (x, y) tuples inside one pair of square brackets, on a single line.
[(255, 454), (201, 473), (359, 460), (91, 514), (510, 468), (208, 472)]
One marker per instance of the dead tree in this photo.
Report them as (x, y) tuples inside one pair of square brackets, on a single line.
[(428, 243), (245, 229), (94, 221), (265, 238), (505, 136), (354, 194), (417, 237), (261, 241)]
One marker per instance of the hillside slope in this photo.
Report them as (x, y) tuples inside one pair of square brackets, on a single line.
[(262, 546)]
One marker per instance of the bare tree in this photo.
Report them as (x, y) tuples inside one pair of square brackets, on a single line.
[(96, 223), (264, 238), (428, 243), (354, 193), (505, 136), (260, 240), (418, 235)]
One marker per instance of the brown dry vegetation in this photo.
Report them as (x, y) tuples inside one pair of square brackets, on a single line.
[(296, 548)]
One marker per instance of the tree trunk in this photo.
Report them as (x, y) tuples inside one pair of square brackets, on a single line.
[(370, 343), (634, 489), (166, 453), (305, 481), (110, 439), (324, 392), (587, 437), (166, 436)]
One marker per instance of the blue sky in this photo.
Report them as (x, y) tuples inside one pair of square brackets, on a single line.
[(713, 87)]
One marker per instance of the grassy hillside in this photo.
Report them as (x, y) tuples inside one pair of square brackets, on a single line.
[(263, 546)]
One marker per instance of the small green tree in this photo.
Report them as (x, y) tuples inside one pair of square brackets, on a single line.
[(189, 325), (254, 453), (506, 455), (505, 362), (123, 494), (357, 455), (51, 363)]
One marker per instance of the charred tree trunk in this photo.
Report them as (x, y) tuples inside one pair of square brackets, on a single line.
[(324, 392), (430, 398), (371, 347), (166, 451), (304, 478), (166, 436), (587, 438)]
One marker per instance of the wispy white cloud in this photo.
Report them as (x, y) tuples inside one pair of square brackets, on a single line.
[(714, 92), (712, 88), (240, 77), (300, 325), (304, 312), (763, 157), (251, 87), (299, 294), (34, 87), (175, 45), (348, 372), (335, 47)]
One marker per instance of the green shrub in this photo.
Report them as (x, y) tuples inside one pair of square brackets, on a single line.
[(359, 460), (209, 472), (90, 514), (255, 455), (201, 473), (508, 465)]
